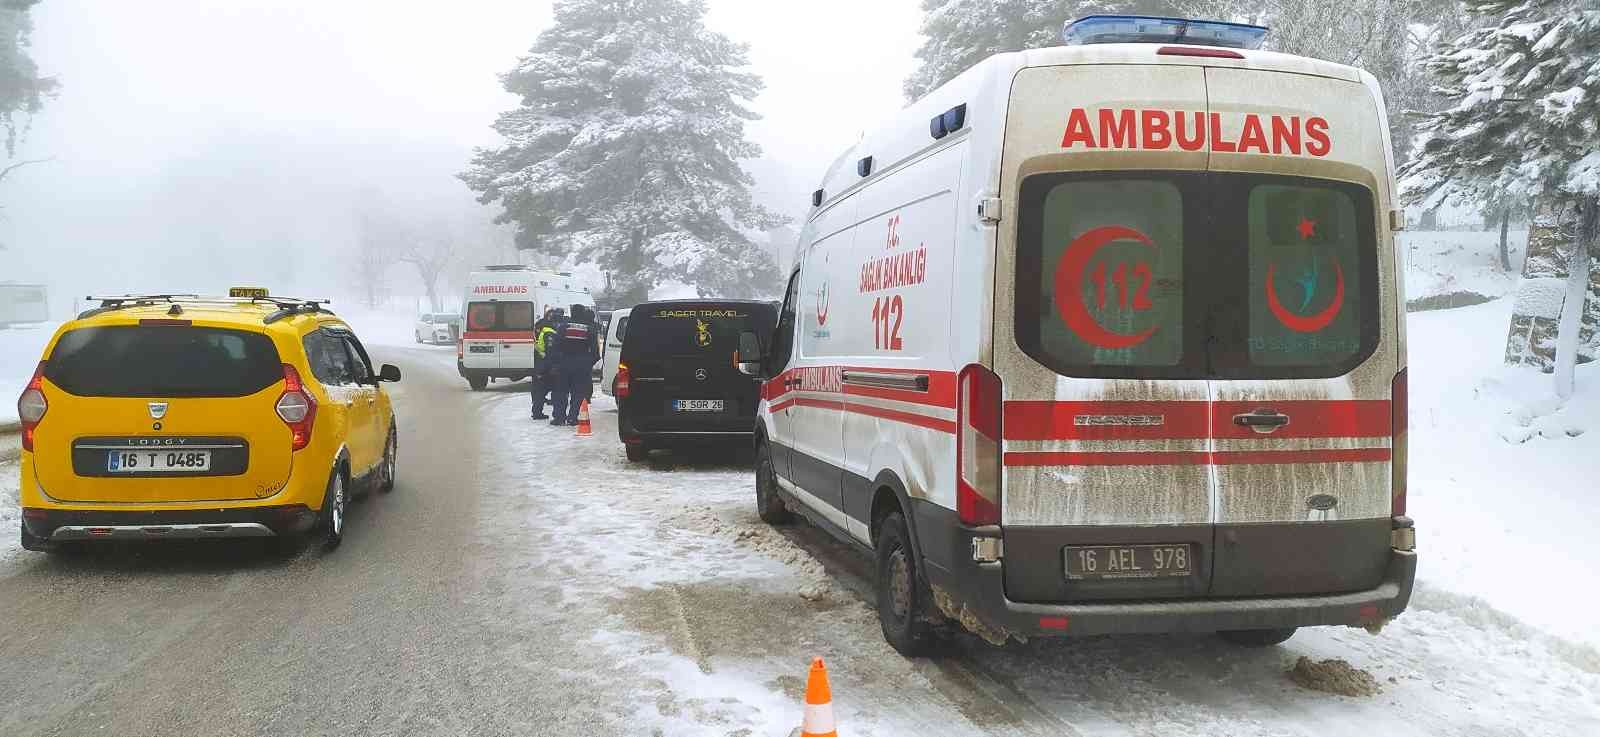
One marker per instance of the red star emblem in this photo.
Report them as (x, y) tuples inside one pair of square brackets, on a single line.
[(1307, 228)]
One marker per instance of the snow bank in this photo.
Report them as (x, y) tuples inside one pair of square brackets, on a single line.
[(1502, 473), (10, 516)]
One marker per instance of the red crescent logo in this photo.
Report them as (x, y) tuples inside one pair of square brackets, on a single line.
[(1069, 290), (822, 305), (1306, 323)]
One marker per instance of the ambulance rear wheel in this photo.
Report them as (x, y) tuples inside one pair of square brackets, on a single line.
[(1257, 638), (903, 594), (769, 505), (477, 382)]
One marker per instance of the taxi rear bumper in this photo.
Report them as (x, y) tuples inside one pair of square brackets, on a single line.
[(64, 525)]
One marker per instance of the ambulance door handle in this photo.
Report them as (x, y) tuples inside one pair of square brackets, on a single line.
[(1262, 420)]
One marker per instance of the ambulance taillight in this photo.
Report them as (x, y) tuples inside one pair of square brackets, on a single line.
[(978, 423)]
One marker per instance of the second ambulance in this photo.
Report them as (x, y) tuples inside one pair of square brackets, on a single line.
[(1106, 338), (502, 305)]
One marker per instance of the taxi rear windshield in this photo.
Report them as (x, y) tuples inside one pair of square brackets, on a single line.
[(695, 329), (501, 316), (165, 361), (1196, 275)]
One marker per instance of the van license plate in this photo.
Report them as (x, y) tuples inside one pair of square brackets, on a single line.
[(697, 405), (480, 349), (1128, 561), (158, 461)]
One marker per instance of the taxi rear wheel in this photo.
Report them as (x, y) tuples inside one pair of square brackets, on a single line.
[(330, 524), (386, 472)]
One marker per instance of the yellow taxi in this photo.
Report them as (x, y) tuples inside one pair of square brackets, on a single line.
[(178, 416)]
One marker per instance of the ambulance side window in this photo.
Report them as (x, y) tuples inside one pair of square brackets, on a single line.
[(783, 337)]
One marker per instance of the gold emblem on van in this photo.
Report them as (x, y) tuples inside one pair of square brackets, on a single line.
[(702, 333)]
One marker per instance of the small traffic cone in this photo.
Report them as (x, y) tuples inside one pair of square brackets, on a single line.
[(818, 721), (584, 429)]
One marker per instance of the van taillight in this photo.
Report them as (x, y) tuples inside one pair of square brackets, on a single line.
[(31, 406), (978, 422), (297, 408), (620, 387), (1398, 408)]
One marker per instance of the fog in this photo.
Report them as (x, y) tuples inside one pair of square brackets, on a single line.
[(198, 145)]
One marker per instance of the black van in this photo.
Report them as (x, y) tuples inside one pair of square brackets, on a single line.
[(676, 381)]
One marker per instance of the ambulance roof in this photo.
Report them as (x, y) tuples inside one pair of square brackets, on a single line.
[(983, 92)]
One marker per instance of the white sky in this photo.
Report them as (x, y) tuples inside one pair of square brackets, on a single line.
[(193, 134)]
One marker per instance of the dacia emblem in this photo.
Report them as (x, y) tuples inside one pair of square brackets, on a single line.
[(158, 410)]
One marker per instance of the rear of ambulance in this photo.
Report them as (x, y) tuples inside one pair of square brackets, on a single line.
[(1196, 396)]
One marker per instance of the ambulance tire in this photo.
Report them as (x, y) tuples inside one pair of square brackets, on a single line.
[(1257, 638), (477, 382), (903, 594), (769, 505)]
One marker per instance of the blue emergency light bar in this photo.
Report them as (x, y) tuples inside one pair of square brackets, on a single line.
[(1149, 29)]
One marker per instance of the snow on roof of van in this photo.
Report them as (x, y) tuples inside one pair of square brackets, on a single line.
[(985, 88)]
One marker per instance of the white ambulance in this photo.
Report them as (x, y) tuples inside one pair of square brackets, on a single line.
[(1106, 338), (502, 305)]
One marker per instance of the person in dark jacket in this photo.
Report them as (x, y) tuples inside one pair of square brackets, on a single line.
[(544, 335), (574, 355)]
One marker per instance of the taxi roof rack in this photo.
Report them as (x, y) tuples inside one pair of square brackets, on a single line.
[(287, 306)]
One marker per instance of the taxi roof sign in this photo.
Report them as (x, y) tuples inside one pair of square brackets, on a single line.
[(249, 293), (1110, 29)]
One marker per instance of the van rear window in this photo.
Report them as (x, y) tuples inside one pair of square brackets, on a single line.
[(694, 329), (163, 361), (1146, 275)]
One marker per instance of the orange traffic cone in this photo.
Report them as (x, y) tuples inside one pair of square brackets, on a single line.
[(818, 721), (584, 429)]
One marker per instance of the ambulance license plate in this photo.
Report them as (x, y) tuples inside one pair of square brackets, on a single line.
[(158, 461), (697, 405), (480, 349), (1128, 561)]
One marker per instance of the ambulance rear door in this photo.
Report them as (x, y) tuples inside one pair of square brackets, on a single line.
[(1100, 334), (1308, 346)]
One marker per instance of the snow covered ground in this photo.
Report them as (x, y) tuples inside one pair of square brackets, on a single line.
[(1446, 262)]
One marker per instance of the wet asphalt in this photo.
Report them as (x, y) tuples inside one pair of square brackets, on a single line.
[(419, 623)]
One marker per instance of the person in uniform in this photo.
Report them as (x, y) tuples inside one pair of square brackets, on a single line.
[(544, 335), (575, 353)]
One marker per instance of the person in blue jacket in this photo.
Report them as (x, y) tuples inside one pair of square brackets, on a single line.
[(572, 357)]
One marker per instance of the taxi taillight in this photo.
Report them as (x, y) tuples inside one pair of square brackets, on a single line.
[(622, 385), (978, 424), (31, 407), (296, 407)]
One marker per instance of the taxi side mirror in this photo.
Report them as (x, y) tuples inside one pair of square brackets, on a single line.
[(750, 357), (389, 372)]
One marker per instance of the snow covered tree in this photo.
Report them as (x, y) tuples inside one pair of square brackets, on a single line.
[(22, 90), (625, 150), (1526, 123)]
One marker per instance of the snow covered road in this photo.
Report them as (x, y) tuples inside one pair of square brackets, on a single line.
[(526, 581)]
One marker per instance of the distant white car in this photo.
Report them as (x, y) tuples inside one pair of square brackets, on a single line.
[(436, 327), (616, 329)]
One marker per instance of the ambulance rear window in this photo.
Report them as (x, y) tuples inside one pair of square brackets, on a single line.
[(501, 316), (1191, 275)]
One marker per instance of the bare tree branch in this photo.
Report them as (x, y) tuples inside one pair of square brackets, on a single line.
[(7, 171)]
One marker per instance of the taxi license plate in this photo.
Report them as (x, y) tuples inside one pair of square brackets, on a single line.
[(1128, 561), (158, 461), (697, 405)]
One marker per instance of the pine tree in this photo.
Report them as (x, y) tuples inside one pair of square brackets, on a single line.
[(22, 90), (1525, 123), (625, 150)]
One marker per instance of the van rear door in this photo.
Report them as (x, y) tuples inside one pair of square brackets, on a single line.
[(1302, 411), (680, 358), (1100, 335)]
